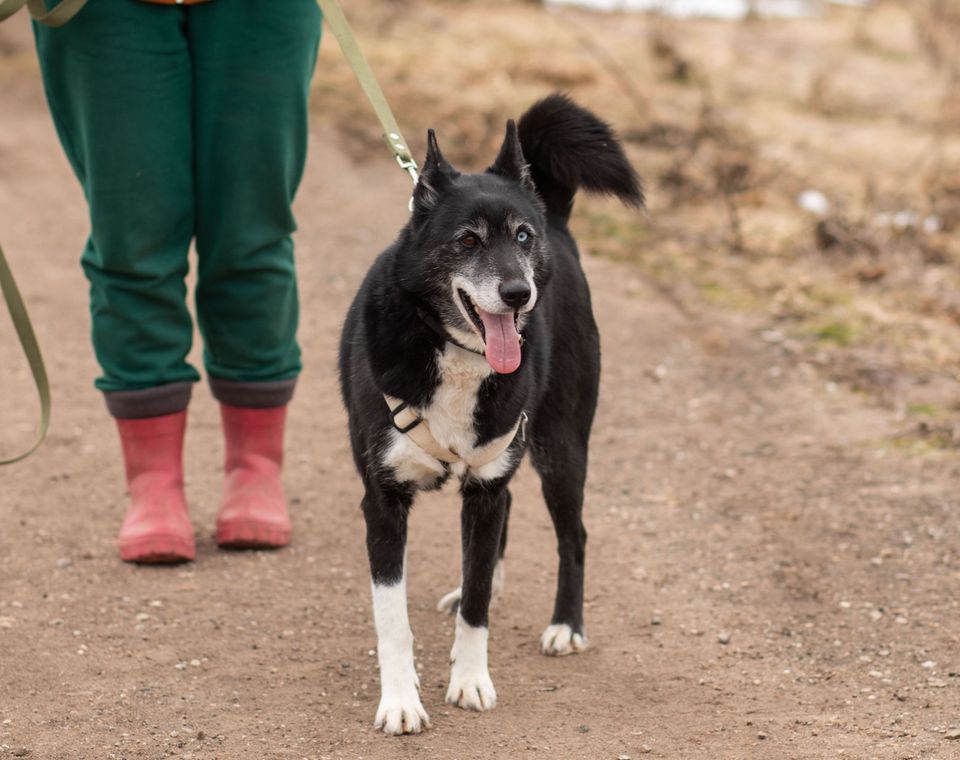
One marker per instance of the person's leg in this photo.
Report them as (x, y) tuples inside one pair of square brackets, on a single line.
[(253, 64), (119, 83)]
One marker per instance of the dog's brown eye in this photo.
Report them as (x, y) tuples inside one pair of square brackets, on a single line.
[(469, 241)]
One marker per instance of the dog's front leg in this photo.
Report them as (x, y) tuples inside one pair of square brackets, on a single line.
[(484, 512), (400, 710)]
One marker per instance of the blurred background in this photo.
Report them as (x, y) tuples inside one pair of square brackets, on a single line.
[(774, 557), (801, 158)]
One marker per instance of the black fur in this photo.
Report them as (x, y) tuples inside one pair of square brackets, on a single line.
[(388, 346)]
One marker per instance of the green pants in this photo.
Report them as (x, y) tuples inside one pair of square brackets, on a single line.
[(187, 123)]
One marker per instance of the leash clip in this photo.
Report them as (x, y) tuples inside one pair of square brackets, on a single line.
[(409, 166)]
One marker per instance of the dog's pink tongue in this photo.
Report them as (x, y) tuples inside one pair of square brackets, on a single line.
[(503, 342)]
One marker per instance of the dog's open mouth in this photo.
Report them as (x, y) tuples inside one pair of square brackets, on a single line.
[(498, 332)]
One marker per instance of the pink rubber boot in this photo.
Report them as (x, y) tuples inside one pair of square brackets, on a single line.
[(156, 528), (253, 509)]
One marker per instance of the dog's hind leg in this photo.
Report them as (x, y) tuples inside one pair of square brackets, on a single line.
[(450, 602), (482, 518), (560, 456), (400, 710)]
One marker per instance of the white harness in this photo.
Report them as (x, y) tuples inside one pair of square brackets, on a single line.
[(409, 423)]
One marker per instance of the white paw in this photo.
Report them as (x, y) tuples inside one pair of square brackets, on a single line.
[(450, 602), (401, 712), (471, 689), (559, 639), (470, 684)]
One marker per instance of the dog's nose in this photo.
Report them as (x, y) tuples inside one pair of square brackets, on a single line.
[(515, 293)]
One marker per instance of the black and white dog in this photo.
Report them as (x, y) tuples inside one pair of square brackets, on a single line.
[(472, 339)]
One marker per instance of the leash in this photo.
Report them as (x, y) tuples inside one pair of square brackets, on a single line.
[(59, 15), (333, 14), (21, 323)]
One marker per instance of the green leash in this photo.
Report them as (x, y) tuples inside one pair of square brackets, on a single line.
[(21, 323), (59, 15), (333, 14)]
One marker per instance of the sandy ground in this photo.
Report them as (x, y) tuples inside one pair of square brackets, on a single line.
[(732, 491)]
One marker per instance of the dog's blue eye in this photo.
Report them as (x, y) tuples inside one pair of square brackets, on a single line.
[(523, 236)]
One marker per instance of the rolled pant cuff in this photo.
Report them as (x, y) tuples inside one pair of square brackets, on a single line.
[(149, 402), (253, 395)]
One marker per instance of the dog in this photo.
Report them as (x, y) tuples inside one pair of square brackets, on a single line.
[(470, 341)]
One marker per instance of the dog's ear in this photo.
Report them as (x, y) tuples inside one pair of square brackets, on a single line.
[(435, 176), (510, 162)]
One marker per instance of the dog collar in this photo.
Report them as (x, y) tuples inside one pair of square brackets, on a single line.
[(407, 422)]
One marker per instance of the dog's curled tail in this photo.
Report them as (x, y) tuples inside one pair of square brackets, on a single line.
[(568, 147)]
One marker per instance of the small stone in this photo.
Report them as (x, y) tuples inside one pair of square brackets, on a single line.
[(761, 736), (201, 735), (63, 563), (583, 728), (623, 757), (814, 202), (723, 637), (142, 617), (7, 622), (928, 664), (22, 752), (655, 620), (952, 734), (195, 663)]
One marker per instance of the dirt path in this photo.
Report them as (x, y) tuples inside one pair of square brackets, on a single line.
[(731, 491)]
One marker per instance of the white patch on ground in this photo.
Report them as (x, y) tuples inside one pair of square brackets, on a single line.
[(725, 9), (449, 601), (400, 710), (559, 639), (470, 684)]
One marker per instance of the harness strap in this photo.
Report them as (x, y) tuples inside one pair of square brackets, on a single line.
[(409, 423), (21, 323)]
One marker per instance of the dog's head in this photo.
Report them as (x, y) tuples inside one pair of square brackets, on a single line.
[(475, 250)]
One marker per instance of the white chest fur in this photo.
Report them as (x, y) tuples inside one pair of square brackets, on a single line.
[(450, 418)]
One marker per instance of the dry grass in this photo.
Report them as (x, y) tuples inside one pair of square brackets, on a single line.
[(728, 123)]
